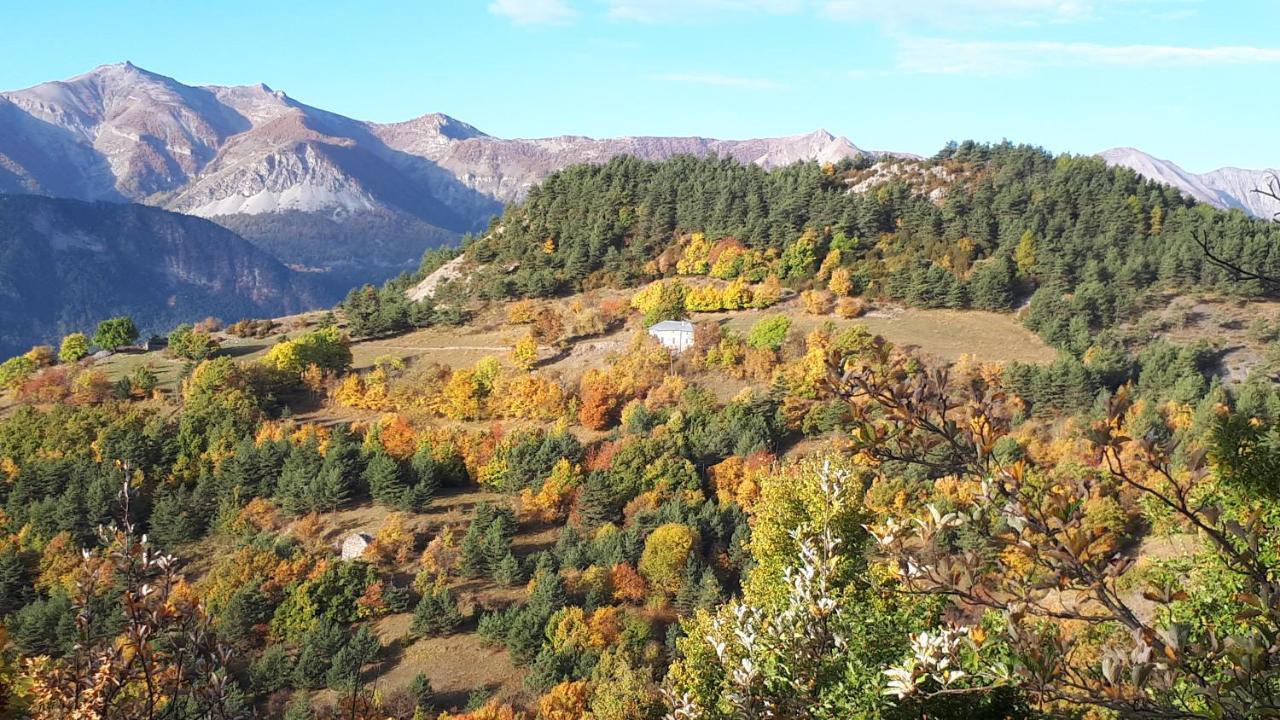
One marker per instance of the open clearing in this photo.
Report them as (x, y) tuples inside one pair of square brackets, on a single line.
[(942, 334)]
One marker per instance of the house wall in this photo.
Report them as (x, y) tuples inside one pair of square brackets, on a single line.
[(678, 341)]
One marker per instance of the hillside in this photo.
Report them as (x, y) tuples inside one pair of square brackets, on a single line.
[(66, 264), (495, 495), (985, 226)]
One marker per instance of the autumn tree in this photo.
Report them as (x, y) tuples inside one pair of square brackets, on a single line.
[(599, 400), (667, 550), (525, 353), (75, 347), (1041, 562), (191, 344), (164, 660)]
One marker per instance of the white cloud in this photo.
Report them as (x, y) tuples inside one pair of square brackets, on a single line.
[(534, 12), (719, 80), (676, 10), (937, 55)]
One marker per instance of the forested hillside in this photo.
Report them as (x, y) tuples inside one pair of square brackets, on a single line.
[(974, 226), (509, 501)]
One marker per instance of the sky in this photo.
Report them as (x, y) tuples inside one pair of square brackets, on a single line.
[(1193, 81)]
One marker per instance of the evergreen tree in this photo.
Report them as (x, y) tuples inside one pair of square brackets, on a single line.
[(384, 476), (297, 484), (344, 671), (172, 523), (991, 285), (436, 614), (299, 708), (508, 571)]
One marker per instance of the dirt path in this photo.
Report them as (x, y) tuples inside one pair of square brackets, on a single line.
[(491, 348)]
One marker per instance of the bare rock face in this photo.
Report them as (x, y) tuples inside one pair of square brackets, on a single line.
[(1226, 188), (122, 133)]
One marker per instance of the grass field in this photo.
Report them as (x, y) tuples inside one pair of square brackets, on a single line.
[(942, 334)]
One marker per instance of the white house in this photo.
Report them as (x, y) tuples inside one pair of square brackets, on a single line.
[(354, 545), (674, 334)]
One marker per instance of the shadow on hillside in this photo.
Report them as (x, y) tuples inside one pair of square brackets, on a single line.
[(458, 699)]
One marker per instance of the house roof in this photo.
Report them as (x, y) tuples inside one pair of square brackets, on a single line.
[(672, 326)]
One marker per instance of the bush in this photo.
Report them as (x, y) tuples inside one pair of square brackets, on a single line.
[(769, 333), (75, 347)]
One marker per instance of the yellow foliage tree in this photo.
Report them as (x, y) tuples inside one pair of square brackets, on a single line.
[(766, 294), (525, 353), (527, 396), (566, 701), (666, 553), (829, 265), (553, 499), (1025, 254), (817, 302), (695, 260), (394, 540), (841, 283), (521, 312), (461, 397)]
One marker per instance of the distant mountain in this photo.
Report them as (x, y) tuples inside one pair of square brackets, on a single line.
[(66, 264), (1226, 188), (121, 133)]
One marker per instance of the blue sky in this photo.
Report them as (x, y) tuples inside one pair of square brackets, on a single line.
[(1194, 81)]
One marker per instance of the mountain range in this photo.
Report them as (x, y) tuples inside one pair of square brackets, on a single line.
[(66, 264), (248, 156), (122, 133), (1228, 188)]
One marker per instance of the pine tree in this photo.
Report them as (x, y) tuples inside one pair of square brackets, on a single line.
[(686, 600), (340, 470), (296, 487), (428, 477), (299, 708), (991, 285), (344, 671), (495, 544), (436, 614), (471, 561), (385, 479), (331, 488), (710, 592), (172, 523), (421, 691), (598, 502), (311, 667), (508, 571)]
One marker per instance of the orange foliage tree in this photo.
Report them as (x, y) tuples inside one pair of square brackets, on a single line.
[(599, 400)]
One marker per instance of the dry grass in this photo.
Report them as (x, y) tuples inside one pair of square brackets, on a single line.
[(1222, 322), (942, 334)]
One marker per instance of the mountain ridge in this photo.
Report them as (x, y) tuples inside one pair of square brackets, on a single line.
[(1228, 188), (66, 264), (219, 150)]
